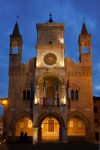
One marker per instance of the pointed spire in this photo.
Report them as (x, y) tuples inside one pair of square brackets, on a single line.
[(16, 30), (50, 20), (84, 29)]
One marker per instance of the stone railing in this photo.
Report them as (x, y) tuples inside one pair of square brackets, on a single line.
[(47, 102)]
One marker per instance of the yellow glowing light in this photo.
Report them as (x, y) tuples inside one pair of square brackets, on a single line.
[(24, 124), (21, 125), (64, 100), (61, 40), (61, 63), (50, 129), (4, 102), (76, 127), (71, 125), (29, 124), (36, 100), (37, 64)]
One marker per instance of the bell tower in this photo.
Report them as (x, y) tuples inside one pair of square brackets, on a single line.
[(50, 44), (84, 42), (15, 46), (16, 40)]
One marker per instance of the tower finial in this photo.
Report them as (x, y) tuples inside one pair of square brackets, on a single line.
[(50, 20), (84, 28), (16, 30)]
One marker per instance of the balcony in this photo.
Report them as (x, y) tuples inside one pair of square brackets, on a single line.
[(50, 107)]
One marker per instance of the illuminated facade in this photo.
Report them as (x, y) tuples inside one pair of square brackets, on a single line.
[(39, 91)]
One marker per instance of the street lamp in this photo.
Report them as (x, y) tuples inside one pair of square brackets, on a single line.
[(3, 102)]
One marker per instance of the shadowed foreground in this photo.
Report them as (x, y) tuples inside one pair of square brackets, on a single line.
[(49, 146)]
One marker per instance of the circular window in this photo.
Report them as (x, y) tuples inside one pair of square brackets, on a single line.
[(50, 59)]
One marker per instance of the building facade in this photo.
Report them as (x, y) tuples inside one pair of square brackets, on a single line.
[(97, 118), (50, 97)]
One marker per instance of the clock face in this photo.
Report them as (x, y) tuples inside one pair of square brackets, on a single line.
[(50, 59)]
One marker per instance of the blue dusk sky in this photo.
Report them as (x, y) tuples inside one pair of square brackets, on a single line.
[(30, 12)]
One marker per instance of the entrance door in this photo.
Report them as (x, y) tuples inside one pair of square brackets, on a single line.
[(50, 129)]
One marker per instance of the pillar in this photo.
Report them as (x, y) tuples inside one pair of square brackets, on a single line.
[(35, 135), (64, 135)]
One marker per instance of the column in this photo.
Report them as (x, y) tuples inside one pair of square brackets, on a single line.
[(64, 135), (35, 135)]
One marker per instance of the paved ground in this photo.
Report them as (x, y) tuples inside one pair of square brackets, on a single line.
[(50, 146)]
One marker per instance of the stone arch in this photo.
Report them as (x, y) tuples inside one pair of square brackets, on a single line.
[(50, 75), (82, 118), (16, 118), (41, 118), (54, 116)]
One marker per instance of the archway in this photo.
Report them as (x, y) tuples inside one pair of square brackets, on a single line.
[(76, 127), (50, 129), (56, 127), (24, 124)]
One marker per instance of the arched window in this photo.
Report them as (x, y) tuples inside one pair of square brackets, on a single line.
[(76, 95), (72, 94), (24, 95), (85, 50), (28, 95), (15, 50)]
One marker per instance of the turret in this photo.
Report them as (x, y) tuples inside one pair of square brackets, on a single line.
[(15, 46), (16, 41), (84, 42)]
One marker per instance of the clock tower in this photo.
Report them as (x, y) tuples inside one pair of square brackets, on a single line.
[(50, 45)]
